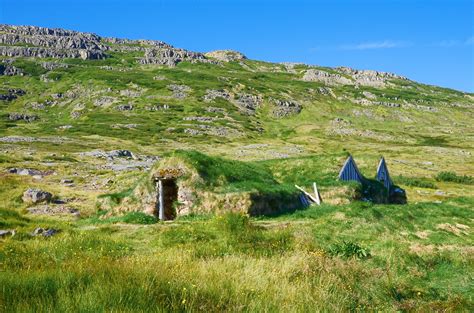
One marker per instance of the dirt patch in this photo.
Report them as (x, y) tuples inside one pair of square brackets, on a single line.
[(457, 229)]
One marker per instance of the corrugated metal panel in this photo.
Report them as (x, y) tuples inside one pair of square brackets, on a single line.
[(382, 174), (350, 171)]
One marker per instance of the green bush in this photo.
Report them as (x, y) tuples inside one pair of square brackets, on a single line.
[(139, 218), (454, 178), (415, 182), (348, 249)]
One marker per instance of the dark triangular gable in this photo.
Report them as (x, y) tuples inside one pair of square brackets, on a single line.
[(382, 174), (350, 171)]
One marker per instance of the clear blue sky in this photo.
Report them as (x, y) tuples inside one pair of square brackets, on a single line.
[(430, 41)]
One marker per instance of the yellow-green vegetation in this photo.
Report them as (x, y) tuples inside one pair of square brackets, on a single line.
[(345, 255), (334, 258)]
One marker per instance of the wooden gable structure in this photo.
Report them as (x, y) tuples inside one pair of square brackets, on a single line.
[(350, 171), (382, 174)]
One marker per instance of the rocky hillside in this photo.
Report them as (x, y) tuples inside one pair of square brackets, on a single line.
[(70, 100)]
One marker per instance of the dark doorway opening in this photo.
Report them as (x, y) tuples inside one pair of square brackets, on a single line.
[(167, 197)]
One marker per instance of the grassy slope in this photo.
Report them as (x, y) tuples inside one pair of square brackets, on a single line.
[(230, 263)]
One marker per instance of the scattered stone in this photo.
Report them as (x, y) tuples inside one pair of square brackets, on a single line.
[(46, 209), (45, 232), (110, 154), (369, 95), (248, 103), (12, 94), (157, 107), (67, 181), (204, 119), (215, 110), (22, 117), (286, 108), (10, 70), (179, 91), (29, 172), (76, 114), (8, 232), (104, 101), (64, 127), (131, 93), (53, 65), (326, 91), (124, 107), (34, 195), (212, 94), (124, 126)]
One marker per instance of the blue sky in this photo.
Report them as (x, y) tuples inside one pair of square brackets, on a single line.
[(428, 41)]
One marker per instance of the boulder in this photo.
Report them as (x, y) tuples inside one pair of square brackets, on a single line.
[(45, 232), (34, 195), (8, 232)]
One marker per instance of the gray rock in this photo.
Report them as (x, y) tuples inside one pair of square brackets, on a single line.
[(212, 94), (124, 107), (22, 117), (8, 232), (45, 232), (286, 108), (10, 70), (47, 209), (157, 107), (76, 114), (179, 91), (248, 103), (53, 65), (12, 94), (26, 172), (34, 195)]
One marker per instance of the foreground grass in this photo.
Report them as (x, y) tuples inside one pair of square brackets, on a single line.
[(234, 263)]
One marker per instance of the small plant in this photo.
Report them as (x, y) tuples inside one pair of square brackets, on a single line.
[(348, 249), (416, 182), (454, 178), (139, 218), (234, 222)]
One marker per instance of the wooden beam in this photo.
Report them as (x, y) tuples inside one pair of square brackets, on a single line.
[(316, 194), (307, 194)]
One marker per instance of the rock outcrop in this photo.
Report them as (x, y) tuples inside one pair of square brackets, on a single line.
[(327, 78), (170, 56), (41, 42), (226, 55), (284, 108)]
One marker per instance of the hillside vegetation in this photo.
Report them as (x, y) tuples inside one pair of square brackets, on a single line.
[(90, 119)]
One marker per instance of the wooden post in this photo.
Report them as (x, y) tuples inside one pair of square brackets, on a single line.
[(316, 194), (161, 212)]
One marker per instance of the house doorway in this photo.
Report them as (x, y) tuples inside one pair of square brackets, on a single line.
[(167, 196)]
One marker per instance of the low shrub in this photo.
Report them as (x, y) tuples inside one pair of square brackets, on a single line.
[(415, 182), (348, 249), (454, 178)]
